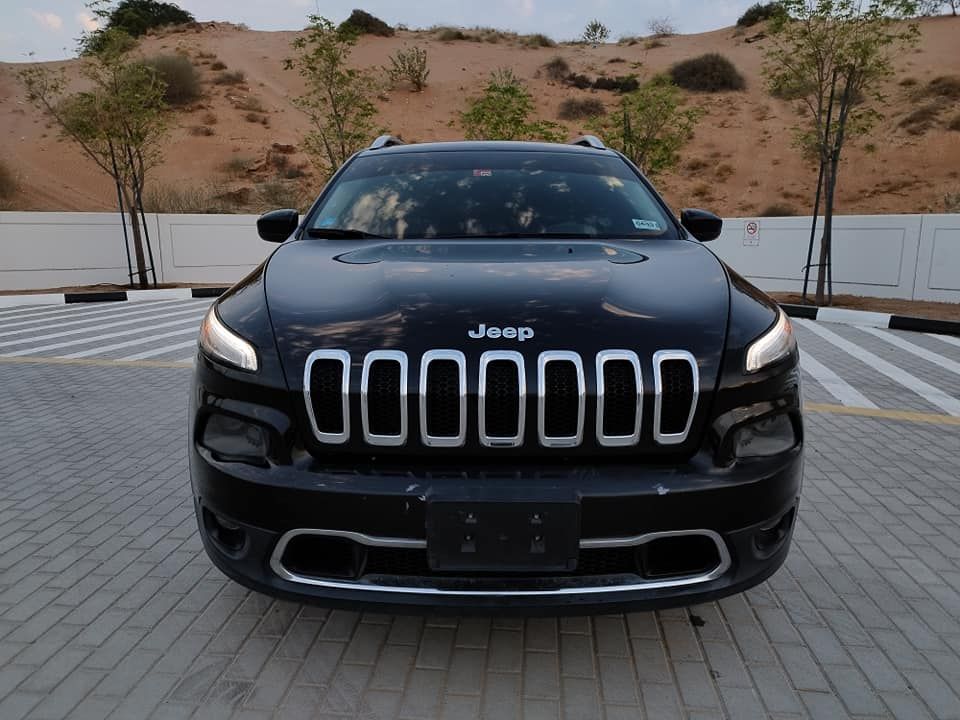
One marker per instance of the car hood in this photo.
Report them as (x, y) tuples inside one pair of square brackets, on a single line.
[(420, 295)]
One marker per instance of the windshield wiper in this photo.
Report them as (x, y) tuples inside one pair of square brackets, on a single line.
[(521, 235), (336, 233)]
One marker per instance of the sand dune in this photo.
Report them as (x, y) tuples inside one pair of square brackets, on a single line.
[(743, 143)]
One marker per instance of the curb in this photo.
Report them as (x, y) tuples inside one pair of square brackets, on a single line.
[(111, 296), (808, 312), (872, 319)]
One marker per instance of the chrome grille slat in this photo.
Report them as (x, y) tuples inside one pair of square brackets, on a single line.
[(444, 440), (659, 358), (343, 357), (487, 438), (543, 361), (561, 398), (384, 356), (632, 438)]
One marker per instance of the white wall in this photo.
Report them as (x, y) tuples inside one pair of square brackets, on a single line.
[(896, 256)]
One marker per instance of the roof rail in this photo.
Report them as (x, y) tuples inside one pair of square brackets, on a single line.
[(589, 141), (385, 141)]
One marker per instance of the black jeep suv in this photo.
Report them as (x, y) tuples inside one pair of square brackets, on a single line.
[(495, 376)]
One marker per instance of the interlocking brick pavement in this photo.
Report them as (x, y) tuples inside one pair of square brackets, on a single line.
[(109, 607)]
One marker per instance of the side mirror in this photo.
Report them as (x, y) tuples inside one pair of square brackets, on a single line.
[(277, 225), (703, 225)]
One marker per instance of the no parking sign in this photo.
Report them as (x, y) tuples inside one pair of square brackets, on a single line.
[(751, 232)]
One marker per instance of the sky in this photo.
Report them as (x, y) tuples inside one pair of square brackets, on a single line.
[(49, 28)]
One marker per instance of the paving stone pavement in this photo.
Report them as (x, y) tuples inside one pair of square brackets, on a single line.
[(110, 609)]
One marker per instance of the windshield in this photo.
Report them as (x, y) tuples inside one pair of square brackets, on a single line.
[(453, 194)]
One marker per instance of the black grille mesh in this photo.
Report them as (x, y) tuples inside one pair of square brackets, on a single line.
[(619, 398), (562, 401), (502, 400), (326, 378), (413, 562), (677, 395), (443, 399), (383, 397)]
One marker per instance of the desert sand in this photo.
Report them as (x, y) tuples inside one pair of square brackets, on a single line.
[(740, 162)]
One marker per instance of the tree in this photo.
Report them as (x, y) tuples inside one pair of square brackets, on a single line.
[(596, 33), (337, 100), (503, 112), (650, 126), (832, 55), (134, 17), (118, 122), (933, 7)]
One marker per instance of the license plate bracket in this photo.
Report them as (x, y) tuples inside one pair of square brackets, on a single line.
[(502, 536)]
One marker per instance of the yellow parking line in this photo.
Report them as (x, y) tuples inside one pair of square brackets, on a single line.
[(96, 362), (905, 415)]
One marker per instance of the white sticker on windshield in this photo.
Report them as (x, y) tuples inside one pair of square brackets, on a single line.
[(646, 224)]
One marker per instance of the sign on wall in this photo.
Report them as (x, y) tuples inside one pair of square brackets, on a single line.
[(751, 232)]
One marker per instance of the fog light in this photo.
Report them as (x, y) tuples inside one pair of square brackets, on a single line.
[(235, 439), (228, 535), (765, 437)]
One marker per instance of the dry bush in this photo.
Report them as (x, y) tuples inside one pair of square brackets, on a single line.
[(711, 72), (696, 165), (951, 202), (954, 124), (252, 117), (209, 118), (449, 34), (778, 210), (233, 77), (945, 86), (537, 40), (218, 65), (556, 68), (202, 130), (616, 60), (723, 171), (250, 103), (662, 27), (275, 194), (654, 43), (908, 82), (620, 84), (702, 191), (236, 165), (180, 198), (204, 55), (410, 65), (580, 108), (921, 119), (9, 185), (179, 75)]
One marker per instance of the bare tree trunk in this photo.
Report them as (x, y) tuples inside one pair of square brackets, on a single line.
[(826, 241), (137, 239)]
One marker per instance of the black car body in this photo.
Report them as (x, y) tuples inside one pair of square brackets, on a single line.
[(542, 411)]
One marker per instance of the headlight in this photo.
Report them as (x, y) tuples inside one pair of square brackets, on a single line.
[(220, 342), (775, 344)]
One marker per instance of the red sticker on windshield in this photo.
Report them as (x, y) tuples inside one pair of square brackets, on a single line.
[(482, 173)]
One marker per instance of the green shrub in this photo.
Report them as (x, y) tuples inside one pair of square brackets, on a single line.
[(234, 77), (778, 210), (580, 108), (556, 68), (135, 17), (596, 33), (361, 22), (409, 65), (179, 75), (708, 73), (759, 12), (503, 112)]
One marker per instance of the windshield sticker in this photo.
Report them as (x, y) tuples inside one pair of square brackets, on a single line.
[(646, 224), (483, 172)]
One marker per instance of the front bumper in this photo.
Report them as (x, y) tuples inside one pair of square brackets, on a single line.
[(619, 505)]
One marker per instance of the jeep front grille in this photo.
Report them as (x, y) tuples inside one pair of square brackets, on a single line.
[(441, 388)]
